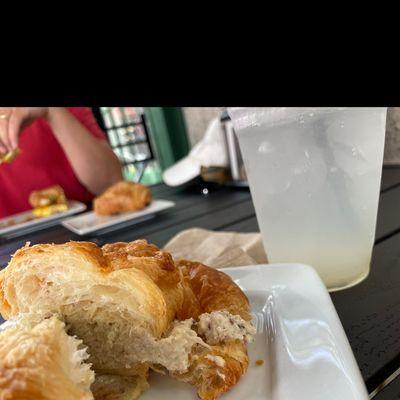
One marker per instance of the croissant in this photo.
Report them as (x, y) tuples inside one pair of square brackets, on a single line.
[(214, 371), (122, 197), (40, 361), (135, 309), (109, 298), (47, 197)]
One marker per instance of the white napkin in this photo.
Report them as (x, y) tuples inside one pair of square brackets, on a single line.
[(218, 249), (209, 152)]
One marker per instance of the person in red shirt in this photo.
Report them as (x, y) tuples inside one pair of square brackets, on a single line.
[(63, 146)]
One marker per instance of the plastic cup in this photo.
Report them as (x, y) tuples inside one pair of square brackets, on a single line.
[(314, 176)]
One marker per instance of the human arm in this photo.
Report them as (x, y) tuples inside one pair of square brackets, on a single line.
[(93, 161)]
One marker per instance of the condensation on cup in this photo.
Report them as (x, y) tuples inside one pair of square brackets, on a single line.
[(314, 176)]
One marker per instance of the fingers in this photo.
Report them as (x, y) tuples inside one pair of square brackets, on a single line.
[(14, 128), (10, 126), (12, 120), (4, 142)]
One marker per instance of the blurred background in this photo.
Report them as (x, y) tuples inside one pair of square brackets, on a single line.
[(148, 140)]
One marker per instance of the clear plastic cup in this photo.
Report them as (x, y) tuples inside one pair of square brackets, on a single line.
[(314, 176)]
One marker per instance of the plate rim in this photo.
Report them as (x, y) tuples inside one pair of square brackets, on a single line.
[(66, 222), (76, 207), (332, 317)]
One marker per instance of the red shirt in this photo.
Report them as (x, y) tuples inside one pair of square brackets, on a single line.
[(42, 163)]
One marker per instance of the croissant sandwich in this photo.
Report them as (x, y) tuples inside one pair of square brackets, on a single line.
[(48, 201), (122, 197), (136, 310)]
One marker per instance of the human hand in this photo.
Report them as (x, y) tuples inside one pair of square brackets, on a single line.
[(13, 120)]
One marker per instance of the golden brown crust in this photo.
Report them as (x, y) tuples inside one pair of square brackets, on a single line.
[(140, 278), (212, 290), (149, 272), (155, 263), (122, 197), (5, 308), (211, 379), (46, 197), (208, 290), (125, 284), (121, 255)]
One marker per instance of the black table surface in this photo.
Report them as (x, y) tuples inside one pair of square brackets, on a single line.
[(370, 311)]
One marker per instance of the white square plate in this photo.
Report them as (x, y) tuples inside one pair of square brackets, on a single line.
[(23, 223), (299, 336), (89, 222)]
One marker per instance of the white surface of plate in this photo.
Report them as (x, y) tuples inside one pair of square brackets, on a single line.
[(21, 227), (299, 336), (89, 222)]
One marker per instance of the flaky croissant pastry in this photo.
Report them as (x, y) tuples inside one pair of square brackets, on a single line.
[(223, 315), (39, 361), (122, 197), (135, 309)]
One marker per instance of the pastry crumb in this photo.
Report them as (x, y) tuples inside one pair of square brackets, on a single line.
[(259, 362)]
